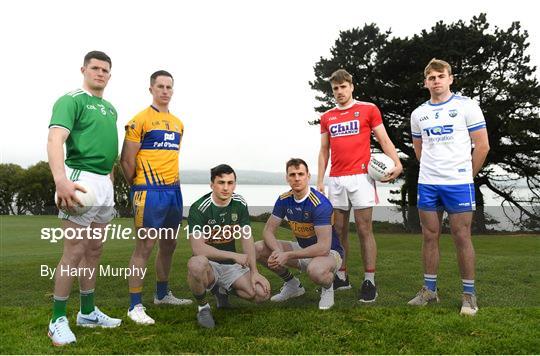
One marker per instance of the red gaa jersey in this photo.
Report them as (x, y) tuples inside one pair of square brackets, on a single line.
[(349, 132)]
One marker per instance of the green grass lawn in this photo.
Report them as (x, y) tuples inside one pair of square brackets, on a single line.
[(507, 283)]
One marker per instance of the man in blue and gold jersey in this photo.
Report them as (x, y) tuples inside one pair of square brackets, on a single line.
[(317, 251), (150, 165)]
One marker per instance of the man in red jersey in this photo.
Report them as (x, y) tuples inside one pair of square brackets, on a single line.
[(346, 133)]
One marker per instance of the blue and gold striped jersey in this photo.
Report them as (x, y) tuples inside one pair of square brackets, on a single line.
[(314, 210), (159, 134)]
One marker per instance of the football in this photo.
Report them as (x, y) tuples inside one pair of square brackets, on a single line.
[(87, 199), (379, 166)]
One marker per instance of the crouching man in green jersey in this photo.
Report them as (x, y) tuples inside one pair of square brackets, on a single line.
[(215, 222)]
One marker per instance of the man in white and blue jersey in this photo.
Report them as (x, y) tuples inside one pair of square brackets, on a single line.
[(444, 130), (317, 250)]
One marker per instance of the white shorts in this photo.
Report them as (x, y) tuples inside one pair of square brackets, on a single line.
[(225, 275), (358, 191), (304, 262), (103, 211)]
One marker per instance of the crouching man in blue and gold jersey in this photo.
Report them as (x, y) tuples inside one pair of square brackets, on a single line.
[(317, 251), (150, 165)]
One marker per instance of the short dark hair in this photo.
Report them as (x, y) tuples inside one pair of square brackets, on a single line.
[(97, 55), (220, 170), (340, 76), (160, 73), (296, 162)]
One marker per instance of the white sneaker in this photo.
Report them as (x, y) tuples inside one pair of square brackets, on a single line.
[(60, 333), (138, 315), (469, 306), (290, 289), (97, 318), (424, 296), (327, 298), (169, 298)]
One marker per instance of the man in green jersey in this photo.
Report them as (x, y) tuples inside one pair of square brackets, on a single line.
[(215, 222), (86, 124)]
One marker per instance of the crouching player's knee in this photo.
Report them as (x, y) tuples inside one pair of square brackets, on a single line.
[(197, 265), (260, 294), (262, 252)]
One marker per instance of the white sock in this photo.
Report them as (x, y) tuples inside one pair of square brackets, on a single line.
[(204, 306), (369, 276)]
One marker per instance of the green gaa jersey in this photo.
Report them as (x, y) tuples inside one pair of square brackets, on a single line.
[(92, 144), (220, 226)]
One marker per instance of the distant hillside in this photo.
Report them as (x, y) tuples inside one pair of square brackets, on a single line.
[(244, 177)]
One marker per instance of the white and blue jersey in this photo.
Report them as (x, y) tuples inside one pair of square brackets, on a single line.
[(445, 181), (446, 145), (303, 215)]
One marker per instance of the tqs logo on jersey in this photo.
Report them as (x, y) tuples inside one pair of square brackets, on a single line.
[(439, 130), (346, 128), (168, 137)]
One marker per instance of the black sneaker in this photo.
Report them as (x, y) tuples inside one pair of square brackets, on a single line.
[(341, 284), (368, 292), (222, 298)]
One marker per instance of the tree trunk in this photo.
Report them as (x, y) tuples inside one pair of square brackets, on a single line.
[(479, 217), (411, 182)]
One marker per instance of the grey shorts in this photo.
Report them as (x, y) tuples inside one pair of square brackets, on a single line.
[(225, 275), (304, 262)]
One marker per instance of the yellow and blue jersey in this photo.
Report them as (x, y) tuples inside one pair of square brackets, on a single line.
[(314, 210), (160, 135), (155, 193)]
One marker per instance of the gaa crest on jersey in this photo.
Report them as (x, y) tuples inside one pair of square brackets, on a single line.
[(453, 112), (346, 128), (234, 217), (306, 215), (356, 114)]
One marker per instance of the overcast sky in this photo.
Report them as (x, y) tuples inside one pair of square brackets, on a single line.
[(241, 67)]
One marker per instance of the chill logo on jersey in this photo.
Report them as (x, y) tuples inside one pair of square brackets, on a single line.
[(346, 128)]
